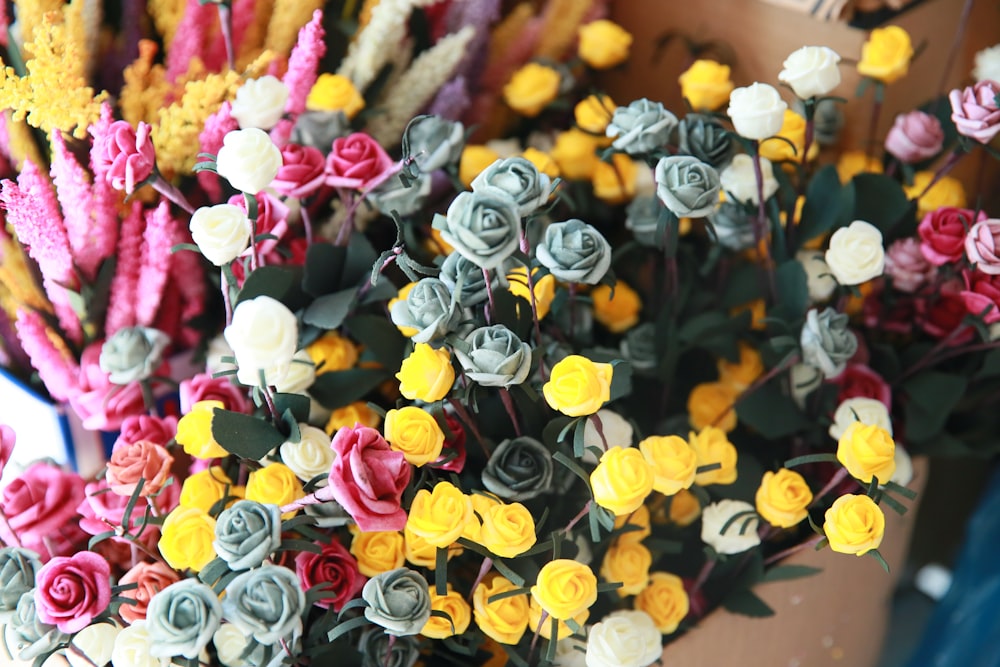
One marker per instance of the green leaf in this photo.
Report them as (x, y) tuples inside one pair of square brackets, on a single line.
[(272, 281), (245, 436), (358, 263), (793, 291), (621, 379), (811, 458), (703, 326), (786, 572), (821, 211), (297, 403), (380, 337), (339, 388), (323, 268), (772, 414), (747, 603), (330, 310), (932, 396), (880, 200), (874, 553), (990, 367)]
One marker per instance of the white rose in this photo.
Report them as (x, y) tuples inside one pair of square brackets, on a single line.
[(819, 278), (221, 232), (132, 646), (95, 642), (617, 431), (868, 411), (217, 349), (310, 456), (987, 66), (248, 159), (260, 102), (571, 652), (263, 335), (297, 376), (626, 638), (904, 467), (740, 534), (230, 643), (757, 111), (739, 181), (805, 379), (856, 253), (811, 71)]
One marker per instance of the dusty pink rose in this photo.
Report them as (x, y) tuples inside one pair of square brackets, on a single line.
[(7, 440), (334, 566), (940, 314), (203, 387), (71, 591), (942, 233), (126, 155), (160, 430), (141, 460), (974, 111), (906, 265), (982, 295), (302, 172), (368, 478), (101, 511), (151, 579), (860, 381), (914, 137), (981, 246), (357, 162), (103, 406), (39, 504)]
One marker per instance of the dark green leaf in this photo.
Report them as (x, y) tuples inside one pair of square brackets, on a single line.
[(339, 388), (880, 200), (811, 458), (330, 310), (786, 572), (323, 268), (772, 414), (380, 337), (273, 281), (793, 291), (245, 436), (821, 211), (990, 367), (747, 603), (358, 264), (297, 403), (932, 396)]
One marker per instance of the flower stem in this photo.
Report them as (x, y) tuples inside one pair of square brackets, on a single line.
[(575, 520), (599, 427), (226, 25), (956, 43), (484, 569), (801, 546), (834, 482), (226, 298), (464, 415), (538, 631), (508, 405), (949, 164), (306, 222), (873, 123), (761, 233)]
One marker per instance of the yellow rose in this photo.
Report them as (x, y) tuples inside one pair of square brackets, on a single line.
[(543, 162), (575, 152), (205, 488), (420, 553), (482, 503), (508, 530), (712, 446), (577, 386), (622, 480), (674, 462), (475, 158), (854, 525), (545, 289), (194, 431), (439, 516), (456, 608), (377, 551), (947, 191), (350, 415), (706, 85), (618, 314), (758, 311), (711, 404), (503, 620), (783, 497), (531, 89), (565, 588), (793, 128), (186, 538), (545, 629), (867, 451), (593, 113), (684, 508), (437, 245), (333, 92), (628, 563), (615, 182), (603, 44), (742, 373), (415, 433), (886, 55), (638, 518), (852, 163), (332, 352), (665, 600), (274, 484), (427, 374)]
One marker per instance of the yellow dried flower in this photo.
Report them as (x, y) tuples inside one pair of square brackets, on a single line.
[(287, 19), (167, 15), (146, 86)]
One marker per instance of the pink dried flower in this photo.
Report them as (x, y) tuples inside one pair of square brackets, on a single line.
[(126, 155), (302, 63), (158, 240), (55, 367)]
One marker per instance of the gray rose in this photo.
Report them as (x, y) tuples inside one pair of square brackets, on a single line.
[(319, 128), (641, 127), (687, 186), (705, 138), (18, 567), (132, 354), (826, 341), (398, 600), (520, 179), (380, 650), (642, 217), (266, 603), (574, 252), (496, 357), (182, 618), (329, 514), (466, 280), (483, 225), (828, 121), (639, 346), (732, 226), (431, 308), (247, 533), (433, 142), (26, 635), (405, 200), (518, 469)]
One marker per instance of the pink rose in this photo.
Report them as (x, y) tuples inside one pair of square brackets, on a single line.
[(160, 430), (914, 137), (7, 440), (974, 111), (39, 505), (368, 478), (101, 405), (151, 579), (943, 312), (456, 444), (906, 265), (302, 172), (72, 591), (203, 387), (126, 155), (981, 245), (272, 219), (982, 295), (860, 381), (357, 162), (942, 233), (141, 460), (334, 566), (101, 511)]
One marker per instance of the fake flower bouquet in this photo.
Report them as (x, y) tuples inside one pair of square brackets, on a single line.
[(545, 400)]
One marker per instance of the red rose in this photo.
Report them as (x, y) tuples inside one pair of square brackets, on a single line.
[(272, 219), (942, 313), (151, 579), (204, 387), (302, 172), (456, 444), (860, 381), (125, 155), (40, 505), (982, 295), (897, 318), (71, 591), (357, 162), (336, 567), (942, 233), (160, 430), (368, 478), (141, 460)]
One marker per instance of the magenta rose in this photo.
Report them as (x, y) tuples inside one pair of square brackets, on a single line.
[(357, 162), (7, 440), (906, 265), (914, 137), (40, 504), (334, 566), (943, 312), (160, 430), (272, 219), (981, 245), (204, 387), (974, 111), (860, 381), (302, 172), (125, 155), (71, 591), (368, 478), (942, 233), (453, 453), (982, 295)]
